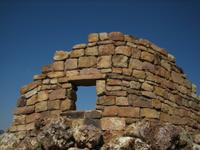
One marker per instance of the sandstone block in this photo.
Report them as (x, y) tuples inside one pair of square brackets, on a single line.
[(103, 36), (68, 74), (108, 49), (148, 66), (110, 111), (147, 56), (150, 113), (71, 64), (135, 64), (124, 50), (100, 87), (113, 123), (56, 74), (30, 126), (104, 62), (93, 37), (147, 87), (91, 51), (79, 46), (113, 88), (29, 87), (156, 104), (31, 93), (129, 112), (166, 65), (58, 65), (66, 105), (42, 106), (117, 93), (42, 96), (21, 102), (141, 102), (60, 55), (57, 94), (120, 61), (106, 100), (135, 85), (19, 119), (122, 101), (39, 76), (54, 81), (77, 53), (114, 82), (116, 36), (32, 117), (24, 110), (32, 100), (139, 74), (148, 94), (53, 105), (89, 61), (177, 78), (93, 114)]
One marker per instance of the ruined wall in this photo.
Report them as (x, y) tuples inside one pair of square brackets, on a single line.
[(134, 79)]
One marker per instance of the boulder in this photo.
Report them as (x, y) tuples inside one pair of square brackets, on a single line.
[(87, 136)]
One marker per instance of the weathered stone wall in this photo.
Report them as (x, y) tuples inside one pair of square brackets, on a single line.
[(134, 79)]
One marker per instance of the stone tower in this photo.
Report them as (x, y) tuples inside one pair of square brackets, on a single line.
[(134, 79)]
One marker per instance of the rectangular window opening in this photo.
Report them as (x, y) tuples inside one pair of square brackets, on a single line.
[(86, 98)]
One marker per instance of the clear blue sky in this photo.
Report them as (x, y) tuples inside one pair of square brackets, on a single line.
[(31, 31)]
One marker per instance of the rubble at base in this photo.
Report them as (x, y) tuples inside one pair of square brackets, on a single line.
[(55, 134)]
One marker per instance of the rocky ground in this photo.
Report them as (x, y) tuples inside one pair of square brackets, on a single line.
[(54, 134)]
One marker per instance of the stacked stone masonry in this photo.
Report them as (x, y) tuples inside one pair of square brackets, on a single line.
[(135, 79)]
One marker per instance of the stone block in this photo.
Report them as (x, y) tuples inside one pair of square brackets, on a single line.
[(116, 93), (113, 88), (93, 114), (147, 56), (54, 81), (30, 126), (74, 114), (100, 87), (32, 100), (129, 112), (71, 64), (77, 53), (135, 85), (124, 50), (156, 104), (56, 74), (58, 66), (177, 77), (107, 49), (29, 87), (42, 96), (19, 119), (32, 117), (24, 110), (122, 101), (139, 74), (116, 36), (70, 73), (89, 61), (120, 61), (147, 87), (40, 107), (148, 66), (110, 111), (61, 55), (106, 100), (66, 105), (104, 62), (79, 46), (141, 102), (114, 82), (103, 36), (150, 113), (113, 123), (91, 51), (148, 94), (53, 105), (57, 94), (31, 93), (21, 102), (93, 37), (165, 64), (39, 76), (135, 64)]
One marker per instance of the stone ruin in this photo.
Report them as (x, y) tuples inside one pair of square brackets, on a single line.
[(134, 78)]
